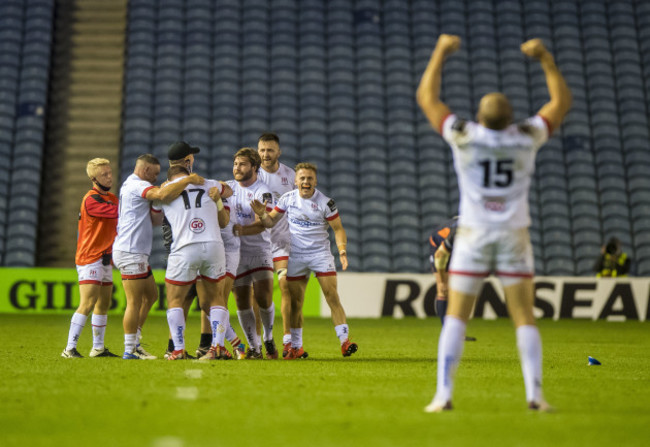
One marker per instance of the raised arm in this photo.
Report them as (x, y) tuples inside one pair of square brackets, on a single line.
[(341, 241), (428, 94), (172, 190), (556, 109)]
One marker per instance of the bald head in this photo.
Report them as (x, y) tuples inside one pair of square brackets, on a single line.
[(495, 111)]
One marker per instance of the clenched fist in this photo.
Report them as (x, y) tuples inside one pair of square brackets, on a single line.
[(534, 48)]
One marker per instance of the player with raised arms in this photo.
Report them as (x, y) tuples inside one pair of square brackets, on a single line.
[(494, 160), (310, 213)]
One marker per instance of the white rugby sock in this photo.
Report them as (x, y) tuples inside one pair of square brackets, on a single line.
[(99, 329), (77, 324), (342, 332), (296, 337), (268, 316), (530, 352), (129, 343), (138, 336), (286, 338), (219, 322), (176, 321), (247, 323), (450, 349), (231, 335)]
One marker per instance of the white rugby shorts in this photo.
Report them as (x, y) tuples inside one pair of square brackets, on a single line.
[(480, 251), (232, 262), (253, 268), (95, 273), (281, 250), (202, 259), (132, 265), (300, 266)]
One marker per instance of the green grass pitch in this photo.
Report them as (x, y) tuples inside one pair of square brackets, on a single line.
[(374, 398)]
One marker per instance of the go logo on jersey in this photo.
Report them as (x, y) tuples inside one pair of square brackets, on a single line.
[(197, 225)]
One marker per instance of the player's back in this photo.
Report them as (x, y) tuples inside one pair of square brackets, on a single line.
[(193, 215), (494, 169), (134, 227)]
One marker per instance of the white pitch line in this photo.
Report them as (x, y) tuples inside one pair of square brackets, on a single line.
[(194, 373), (168, 441), (187, 392)]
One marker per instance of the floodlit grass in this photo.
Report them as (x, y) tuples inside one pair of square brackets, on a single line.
[(373, 399)]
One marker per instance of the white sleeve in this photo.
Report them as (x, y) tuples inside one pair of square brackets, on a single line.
[(538, 129), (447, 123)]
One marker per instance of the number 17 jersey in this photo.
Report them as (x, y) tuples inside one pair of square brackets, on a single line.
[(494, 169), (192, 216)]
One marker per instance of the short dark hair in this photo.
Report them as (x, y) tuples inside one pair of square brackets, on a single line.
[(149, 159), (252, 155), (269, 136), (175, 170)]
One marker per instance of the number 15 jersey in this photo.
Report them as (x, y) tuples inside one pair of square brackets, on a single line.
[(494, 169), (192, 216)]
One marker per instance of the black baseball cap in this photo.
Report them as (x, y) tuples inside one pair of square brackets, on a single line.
[(180, 150)]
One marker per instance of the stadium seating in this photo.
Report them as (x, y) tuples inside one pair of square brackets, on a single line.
[(24, 78), (336, 80)]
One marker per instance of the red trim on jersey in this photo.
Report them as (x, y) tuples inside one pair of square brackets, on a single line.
[(180, 283), (548, 125), (325, 274), (332, 217), (110, 283), (230, 275), (155, 210), (90, 281), (279, 210), (226, 207), (212, 280), (442, 121), (281, 258), (515, 274), (259, 269), (465, 273), (296, 278), (146, 190)]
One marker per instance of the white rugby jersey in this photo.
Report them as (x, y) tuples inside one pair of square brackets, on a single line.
[(230, 241), (134, 227), (494, 169), (279, 182), (192, 216), (243, 196), (308, 220)]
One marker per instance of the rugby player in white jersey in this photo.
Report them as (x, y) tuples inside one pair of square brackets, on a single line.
[(256, 259), (181, 153), (280, 179), (196, 253), (494, 160), (310, 213), (132, 245)]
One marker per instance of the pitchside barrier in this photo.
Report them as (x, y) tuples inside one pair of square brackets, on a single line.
[(364, 295)]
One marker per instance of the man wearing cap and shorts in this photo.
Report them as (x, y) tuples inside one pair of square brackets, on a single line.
[(310, 213), (97, 229), (494, 160), (256, 262), (196, 253), (132, 245), (280, 179)]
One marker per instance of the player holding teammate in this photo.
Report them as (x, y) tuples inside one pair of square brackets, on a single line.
[(132, 245), (494, 160), (97, 229), (256, 259), (280, 179), (196, 252), (310, 213)]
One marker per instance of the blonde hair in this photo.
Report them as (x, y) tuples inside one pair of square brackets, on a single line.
[(311, 166), (93, 166)]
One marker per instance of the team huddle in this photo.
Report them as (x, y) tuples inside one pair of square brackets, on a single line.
[(221, 237)]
